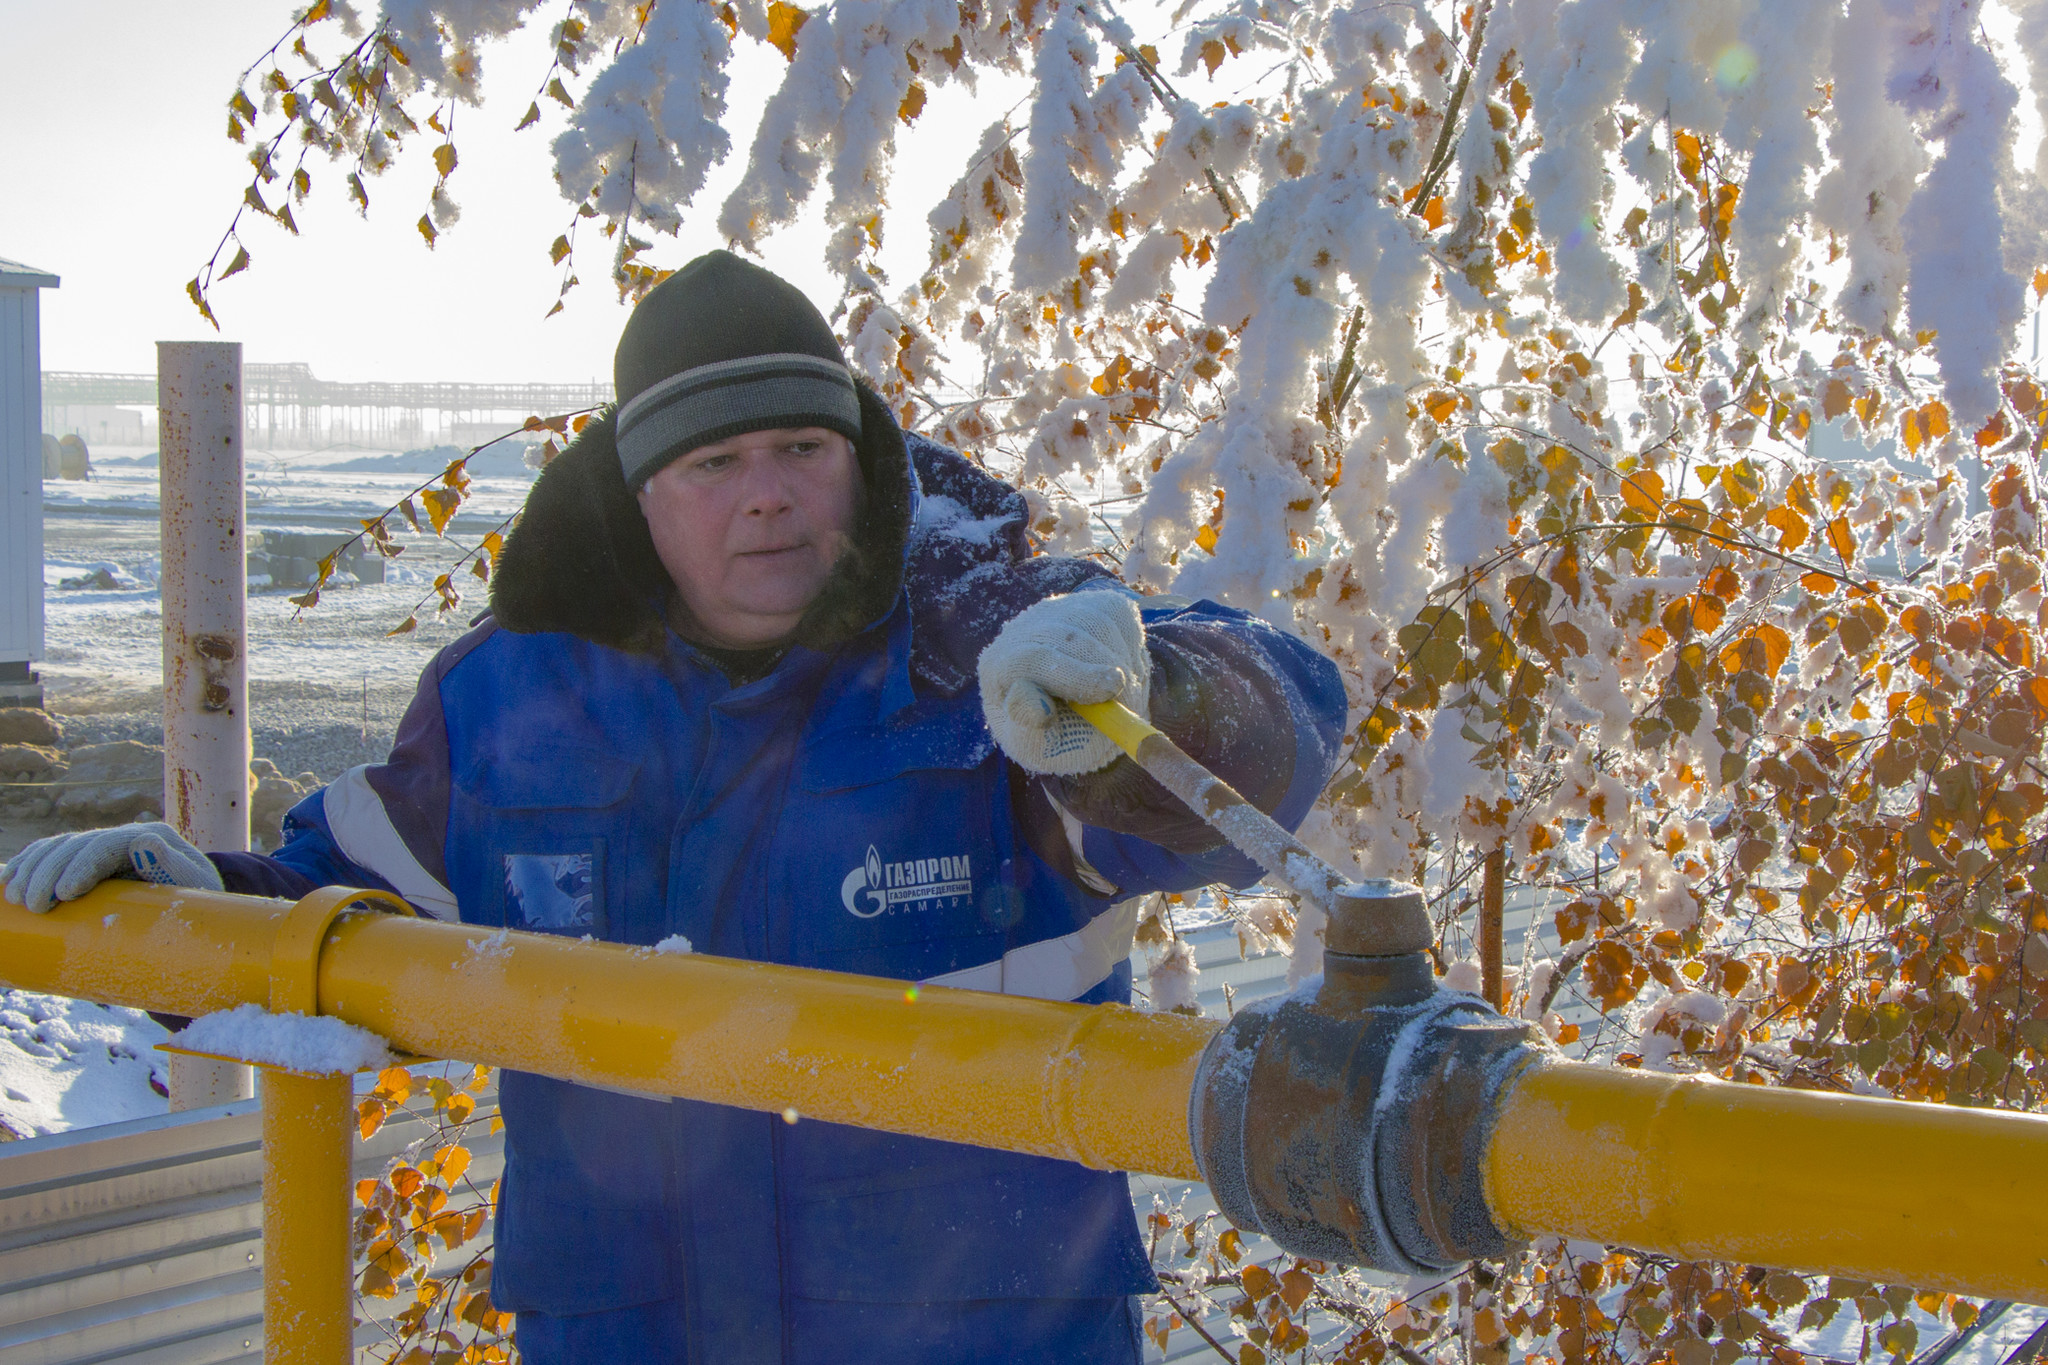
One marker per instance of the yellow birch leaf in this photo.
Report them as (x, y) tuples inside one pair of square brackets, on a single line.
[(1643, 491), (1835, 399), (237, 265), (1762, 648), (1213, 54), (441, 504), (1743, 482), (192, 292), (531, 117), (1841, 540), (405, 627), (1441, 405), (444, 159), (913, 103), (454, 1161), (426, 228), (1792, 528), (1205, 537), (785, 21), (1688, 155)]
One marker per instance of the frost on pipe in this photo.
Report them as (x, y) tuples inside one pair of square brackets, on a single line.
[(1347, 1119)]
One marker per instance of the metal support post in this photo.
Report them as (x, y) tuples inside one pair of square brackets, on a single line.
[(1492, 896), (206, 632), (308, 1303)]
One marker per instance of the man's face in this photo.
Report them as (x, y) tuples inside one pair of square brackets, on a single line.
[(749, 528)]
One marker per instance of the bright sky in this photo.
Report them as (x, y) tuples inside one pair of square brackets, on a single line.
[(116, 174)]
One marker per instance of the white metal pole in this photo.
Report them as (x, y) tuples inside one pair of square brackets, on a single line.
[(206, 631)]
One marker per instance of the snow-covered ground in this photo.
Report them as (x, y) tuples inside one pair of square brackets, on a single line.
[(71, 1064), (105, 644)]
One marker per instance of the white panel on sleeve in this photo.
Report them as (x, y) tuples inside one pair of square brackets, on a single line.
[(363, 831), (1058, 968)]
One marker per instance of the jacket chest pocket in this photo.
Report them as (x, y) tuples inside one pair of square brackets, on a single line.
[(892, 864), (550, 834)]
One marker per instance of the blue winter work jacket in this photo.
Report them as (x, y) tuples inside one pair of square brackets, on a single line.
[(847, 811)]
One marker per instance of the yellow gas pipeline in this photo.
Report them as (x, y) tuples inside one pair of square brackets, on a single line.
[(1692, 1168), (1104, 1086)]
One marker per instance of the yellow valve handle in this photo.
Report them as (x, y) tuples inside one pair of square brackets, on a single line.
[(1125, 727), (1253, 832)]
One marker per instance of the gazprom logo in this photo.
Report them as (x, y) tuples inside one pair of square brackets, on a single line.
[(876, 886)]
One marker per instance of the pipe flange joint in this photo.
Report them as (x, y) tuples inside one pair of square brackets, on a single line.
[(302, 935), (1348, 1119)]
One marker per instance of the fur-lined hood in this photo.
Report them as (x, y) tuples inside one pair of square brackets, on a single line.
[(581, 560)]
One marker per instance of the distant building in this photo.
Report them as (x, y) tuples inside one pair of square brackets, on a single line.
[(21, 481), (287, 407)]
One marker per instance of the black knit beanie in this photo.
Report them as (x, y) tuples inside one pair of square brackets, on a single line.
[(720, 348)]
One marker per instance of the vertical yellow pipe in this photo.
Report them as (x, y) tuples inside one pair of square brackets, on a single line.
[(308, 1299), (1929, 1195)]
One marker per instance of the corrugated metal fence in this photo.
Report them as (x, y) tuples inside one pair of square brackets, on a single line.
[(141, 1242)]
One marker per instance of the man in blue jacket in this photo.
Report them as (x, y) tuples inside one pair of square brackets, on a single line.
[(765, 672)]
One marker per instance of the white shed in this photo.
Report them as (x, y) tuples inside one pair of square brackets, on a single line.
[(21, 481)]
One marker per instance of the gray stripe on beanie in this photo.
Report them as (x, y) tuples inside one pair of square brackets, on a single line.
[(712, 402)]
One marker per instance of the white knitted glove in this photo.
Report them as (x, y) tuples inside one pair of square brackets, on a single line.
[(1084, 647), (64, 867)]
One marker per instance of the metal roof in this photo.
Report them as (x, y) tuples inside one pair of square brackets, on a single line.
[(15, 275)]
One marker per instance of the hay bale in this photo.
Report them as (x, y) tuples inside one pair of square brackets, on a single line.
[(116, 782), (30, 725), (74, 461), (30, 763)]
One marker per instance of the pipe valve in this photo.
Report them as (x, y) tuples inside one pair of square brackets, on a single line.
[(1348, 1119)]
